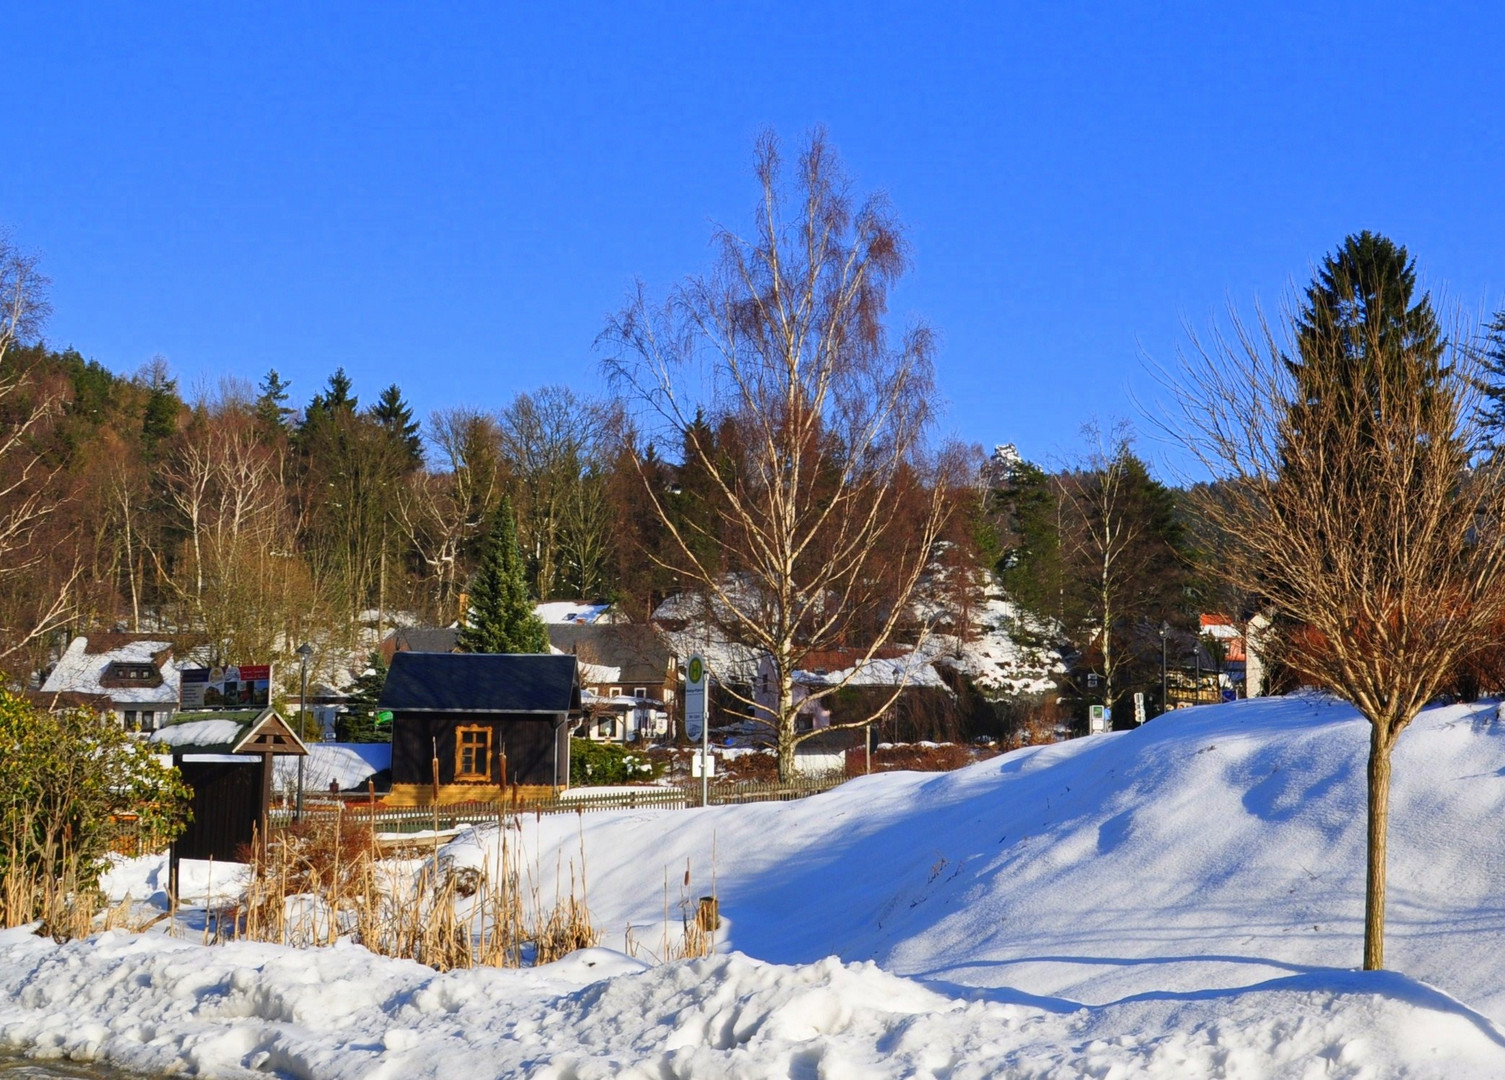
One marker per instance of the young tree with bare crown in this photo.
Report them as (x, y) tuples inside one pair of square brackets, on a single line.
[(825, 504), (1353, 499)]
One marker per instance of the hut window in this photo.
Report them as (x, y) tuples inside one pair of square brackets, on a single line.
[(472, 753)]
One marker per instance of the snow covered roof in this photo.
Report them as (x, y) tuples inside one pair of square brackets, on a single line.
[(690, 624), (84, 668), (1220, 627), (910, 669), (573, 611), (349, 765), (615, 652), (620, 702), (241, 731)]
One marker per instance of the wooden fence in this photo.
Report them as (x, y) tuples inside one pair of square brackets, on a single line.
[(413, 819)]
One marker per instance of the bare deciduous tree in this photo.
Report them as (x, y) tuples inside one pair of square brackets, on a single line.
[(824, 505), (29, 497), (443, 511), (1347, 502), (1102, 541), (551, 443)]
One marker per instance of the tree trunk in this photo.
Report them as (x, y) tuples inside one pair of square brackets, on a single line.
[(1379, 820), (787, 715)]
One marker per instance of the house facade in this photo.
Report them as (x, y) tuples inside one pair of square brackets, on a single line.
[(471, 727), (894, 672), (629, 679), (628, 673), (132, 676)]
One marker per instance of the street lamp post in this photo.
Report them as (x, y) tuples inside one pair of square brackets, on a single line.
[(304, 652), (1165, 629)]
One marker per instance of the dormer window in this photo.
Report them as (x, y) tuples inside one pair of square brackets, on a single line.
[(124, 673)]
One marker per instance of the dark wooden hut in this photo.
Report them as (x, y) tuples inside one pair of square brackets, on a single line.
[(468, 726), (226, 760)]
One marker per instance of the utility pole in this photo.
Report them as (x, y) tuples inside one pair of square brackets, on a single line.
[(1165, 629)]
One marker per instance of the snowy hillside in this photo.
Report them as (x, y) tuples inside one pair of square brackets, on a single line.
[(1181, 900), (1214, 847), (991, 653)]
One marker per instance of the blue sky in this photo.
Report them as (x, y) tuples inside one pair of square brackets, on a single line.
[(455, 200)]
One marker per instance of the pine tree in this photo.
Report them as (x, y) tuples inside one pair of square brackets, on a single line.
[(159, 420), (501, 618), (396, 416)]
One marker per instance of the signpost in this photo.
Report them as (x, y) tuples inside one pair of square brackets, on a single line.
[(696, 726), (1139, 707), (1097, 720)]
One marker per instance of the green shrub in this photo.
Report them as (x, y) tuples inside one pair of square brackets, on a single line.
[(67, 774), (593, 763)]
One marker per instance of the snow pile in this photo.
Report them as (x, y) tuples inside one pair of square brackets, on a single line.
[(1185, 899), (349, 765), (161, 1005)]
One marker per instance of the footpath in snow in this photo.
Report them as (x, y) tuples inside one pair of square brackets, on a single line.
[(1181, 900)]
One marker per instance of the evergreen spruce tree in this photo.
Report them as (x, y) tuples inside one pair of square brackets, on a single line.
[(1029, 565), (1492, 383), (271, 407), (1362, 332), (159, 420), (501, 618), (359, 724), (396, 416)]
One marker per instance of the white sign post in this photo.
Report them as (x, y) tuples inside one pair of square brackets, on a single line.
[(695, 720), (1139, 707)]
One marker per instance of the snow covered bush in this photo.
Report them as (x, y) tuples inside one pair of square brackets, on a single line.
[(608, 763)]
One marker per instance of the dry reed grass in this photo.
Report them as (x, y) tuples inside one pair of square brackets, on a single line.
[(315, 883), (699, 920)]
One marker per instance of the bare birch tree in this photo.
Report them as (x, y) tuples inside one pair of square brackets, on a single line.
[(825, 506), (550, 442), (1348, 501), (36, 603)]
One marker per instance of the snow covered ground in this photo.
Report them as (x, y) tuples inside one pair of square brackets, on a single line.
[(1181, 900)]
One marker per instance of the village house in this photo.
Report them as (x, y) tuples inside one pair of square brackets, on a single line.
[(131, 676), (628, 673), (430, 639), (466, 727), (629, 677), (865, 685)]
